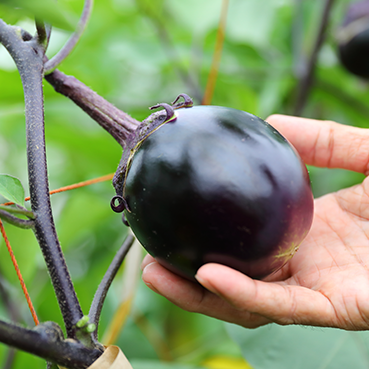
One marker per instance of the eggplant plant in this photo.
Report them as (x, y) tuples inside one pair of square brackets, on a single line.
[(196, 184)]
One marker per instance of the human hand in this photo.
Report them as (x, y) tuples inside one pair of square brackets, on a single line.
[(326, 283)]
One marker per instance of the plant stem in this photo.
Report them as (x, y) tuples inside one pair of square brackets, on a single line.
[(129, 281), (99, 298), (51, 64), (46, 341), (42, 34), (113, 120), (307, 77), (28, 56), (13, 220), (20, 210)]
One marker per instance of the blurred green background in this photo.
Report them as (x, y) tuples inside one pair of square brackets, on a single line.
[(136, 54)]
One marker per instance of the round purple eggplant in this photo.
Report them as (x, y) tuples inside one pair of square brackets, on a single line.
[(218, 185)]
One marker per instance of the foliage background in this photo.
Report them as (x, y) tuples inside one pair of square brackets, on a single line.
[(135, 54)]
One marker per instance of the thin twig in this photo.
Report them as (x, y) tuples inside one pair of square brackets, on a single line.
[(17, 222), (306, 80), (51, 64), (19, 210), (99, 298), (129, 281), (210, 85)]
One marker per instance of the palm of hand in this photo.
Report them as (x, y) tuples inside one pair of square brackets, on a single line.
[(326, 283), (333, 260)]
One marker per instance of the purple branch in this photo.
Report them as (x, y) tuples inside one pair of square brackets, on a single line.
[(18, 222), (47, 342), (112, 119)]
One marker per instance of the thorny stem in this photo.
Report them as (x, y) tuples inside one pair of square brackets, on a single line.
[(51, 64), (28, 56), (306, 79)]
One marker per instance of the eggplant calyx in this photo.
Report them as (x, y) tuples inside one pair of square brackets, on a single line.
[(135, 139), (168, 109)]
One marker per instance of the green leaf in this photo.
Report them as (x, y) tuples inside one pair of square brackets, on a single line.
[(11, 188), (49, 11), (298, 347), (10, 15)]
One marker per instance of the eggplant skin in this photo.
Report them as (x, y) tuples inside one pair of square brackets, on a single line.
[(218, 185), (354, 54)]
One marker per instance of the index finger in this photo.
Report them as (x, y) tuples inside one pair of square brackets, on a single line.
[(325, 143)]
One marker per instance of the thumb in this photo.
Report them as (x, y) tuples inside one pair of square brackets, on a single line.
[(275, 301)]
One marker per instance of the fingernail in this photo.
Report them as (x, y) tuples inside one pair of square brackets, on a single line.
[(199, 279), (206, 284), (144, 262), (148, 284), (144, 270)]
